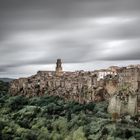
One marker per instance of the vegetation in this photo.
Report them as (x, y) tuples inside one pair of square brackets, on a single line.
[(52, 118), (3, 87)]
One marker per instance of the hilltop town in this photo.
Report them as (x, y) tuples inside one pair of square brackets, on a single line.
[(119, 85)]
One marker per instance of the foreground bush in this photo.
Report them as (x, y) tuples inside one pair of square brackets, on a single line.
[(17, 102)]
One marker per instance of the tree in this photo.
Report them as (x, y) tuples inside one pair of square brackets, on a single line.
[(44, 134), (17, 102), (68, 116), (79, 134), (90, 106), (60, 125)]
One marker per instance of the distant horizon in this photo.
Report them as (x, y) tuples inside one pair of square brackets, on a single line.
[(66, 68)]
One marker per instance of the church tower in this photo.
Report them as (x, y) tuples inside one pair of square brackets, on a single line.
[(58, 70)]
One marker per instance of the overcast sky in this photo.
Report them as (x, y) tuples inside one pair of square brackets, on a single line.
[(85, 34)]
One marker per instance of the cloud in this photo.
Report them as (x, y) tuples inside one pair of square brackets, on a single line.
[(122, 50), (35, 33)]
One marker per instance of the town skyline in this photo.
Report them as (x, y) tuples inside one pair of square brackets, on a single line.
[(65, 68)]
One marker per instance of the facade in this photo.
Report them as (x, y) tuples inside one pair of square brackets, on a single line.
[(114, 69), (101, 74), (129, 76)]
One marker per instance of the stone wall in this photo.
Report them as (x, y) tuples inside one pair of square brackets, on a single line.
[(130, 77)]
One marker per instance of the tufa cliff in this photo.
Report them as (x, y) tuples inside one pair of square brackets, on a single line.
[(82, 86)]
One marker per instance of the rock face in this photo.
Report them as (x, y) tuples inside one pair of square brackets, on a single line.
[(124, 103), (111, 85), (78, 86), (83, 86)]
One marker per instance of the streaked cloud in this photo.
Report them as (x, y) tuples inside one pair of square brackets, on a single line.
[(85, 34)]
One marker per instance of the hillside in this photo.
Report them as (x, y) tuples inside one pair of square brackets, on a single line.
[(6, 79), (52, 118), (4, 87)]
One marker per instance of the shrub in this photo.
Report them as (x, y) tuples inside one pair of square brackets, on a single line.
[(39, 123), (7, 133), (79, 134), (60, 125), (56, 136), (90, 106), (101, 106), (4, 86), (44, 134), (28, 135), (17, 102)]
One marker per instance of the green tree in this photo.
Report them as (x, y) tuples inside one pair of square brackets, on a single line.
[(44, 134), (60, 125), (79, 134), (17, 102)]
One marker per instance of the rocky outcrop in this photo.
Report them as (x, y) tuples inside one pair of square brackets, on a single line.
[(124, 102), (84, 87), (78, 86)]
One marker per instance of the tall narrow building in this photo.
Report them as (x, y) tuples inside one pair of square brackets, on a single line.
[(58, 70)]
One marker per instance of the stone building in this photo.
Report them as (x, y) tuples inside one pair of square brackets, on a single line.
[(129, 76), (114, 69), (58, 70), (101, 74)]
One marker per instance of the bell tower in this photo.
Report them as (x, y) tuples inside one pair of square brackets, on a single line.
[(58, 70)]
